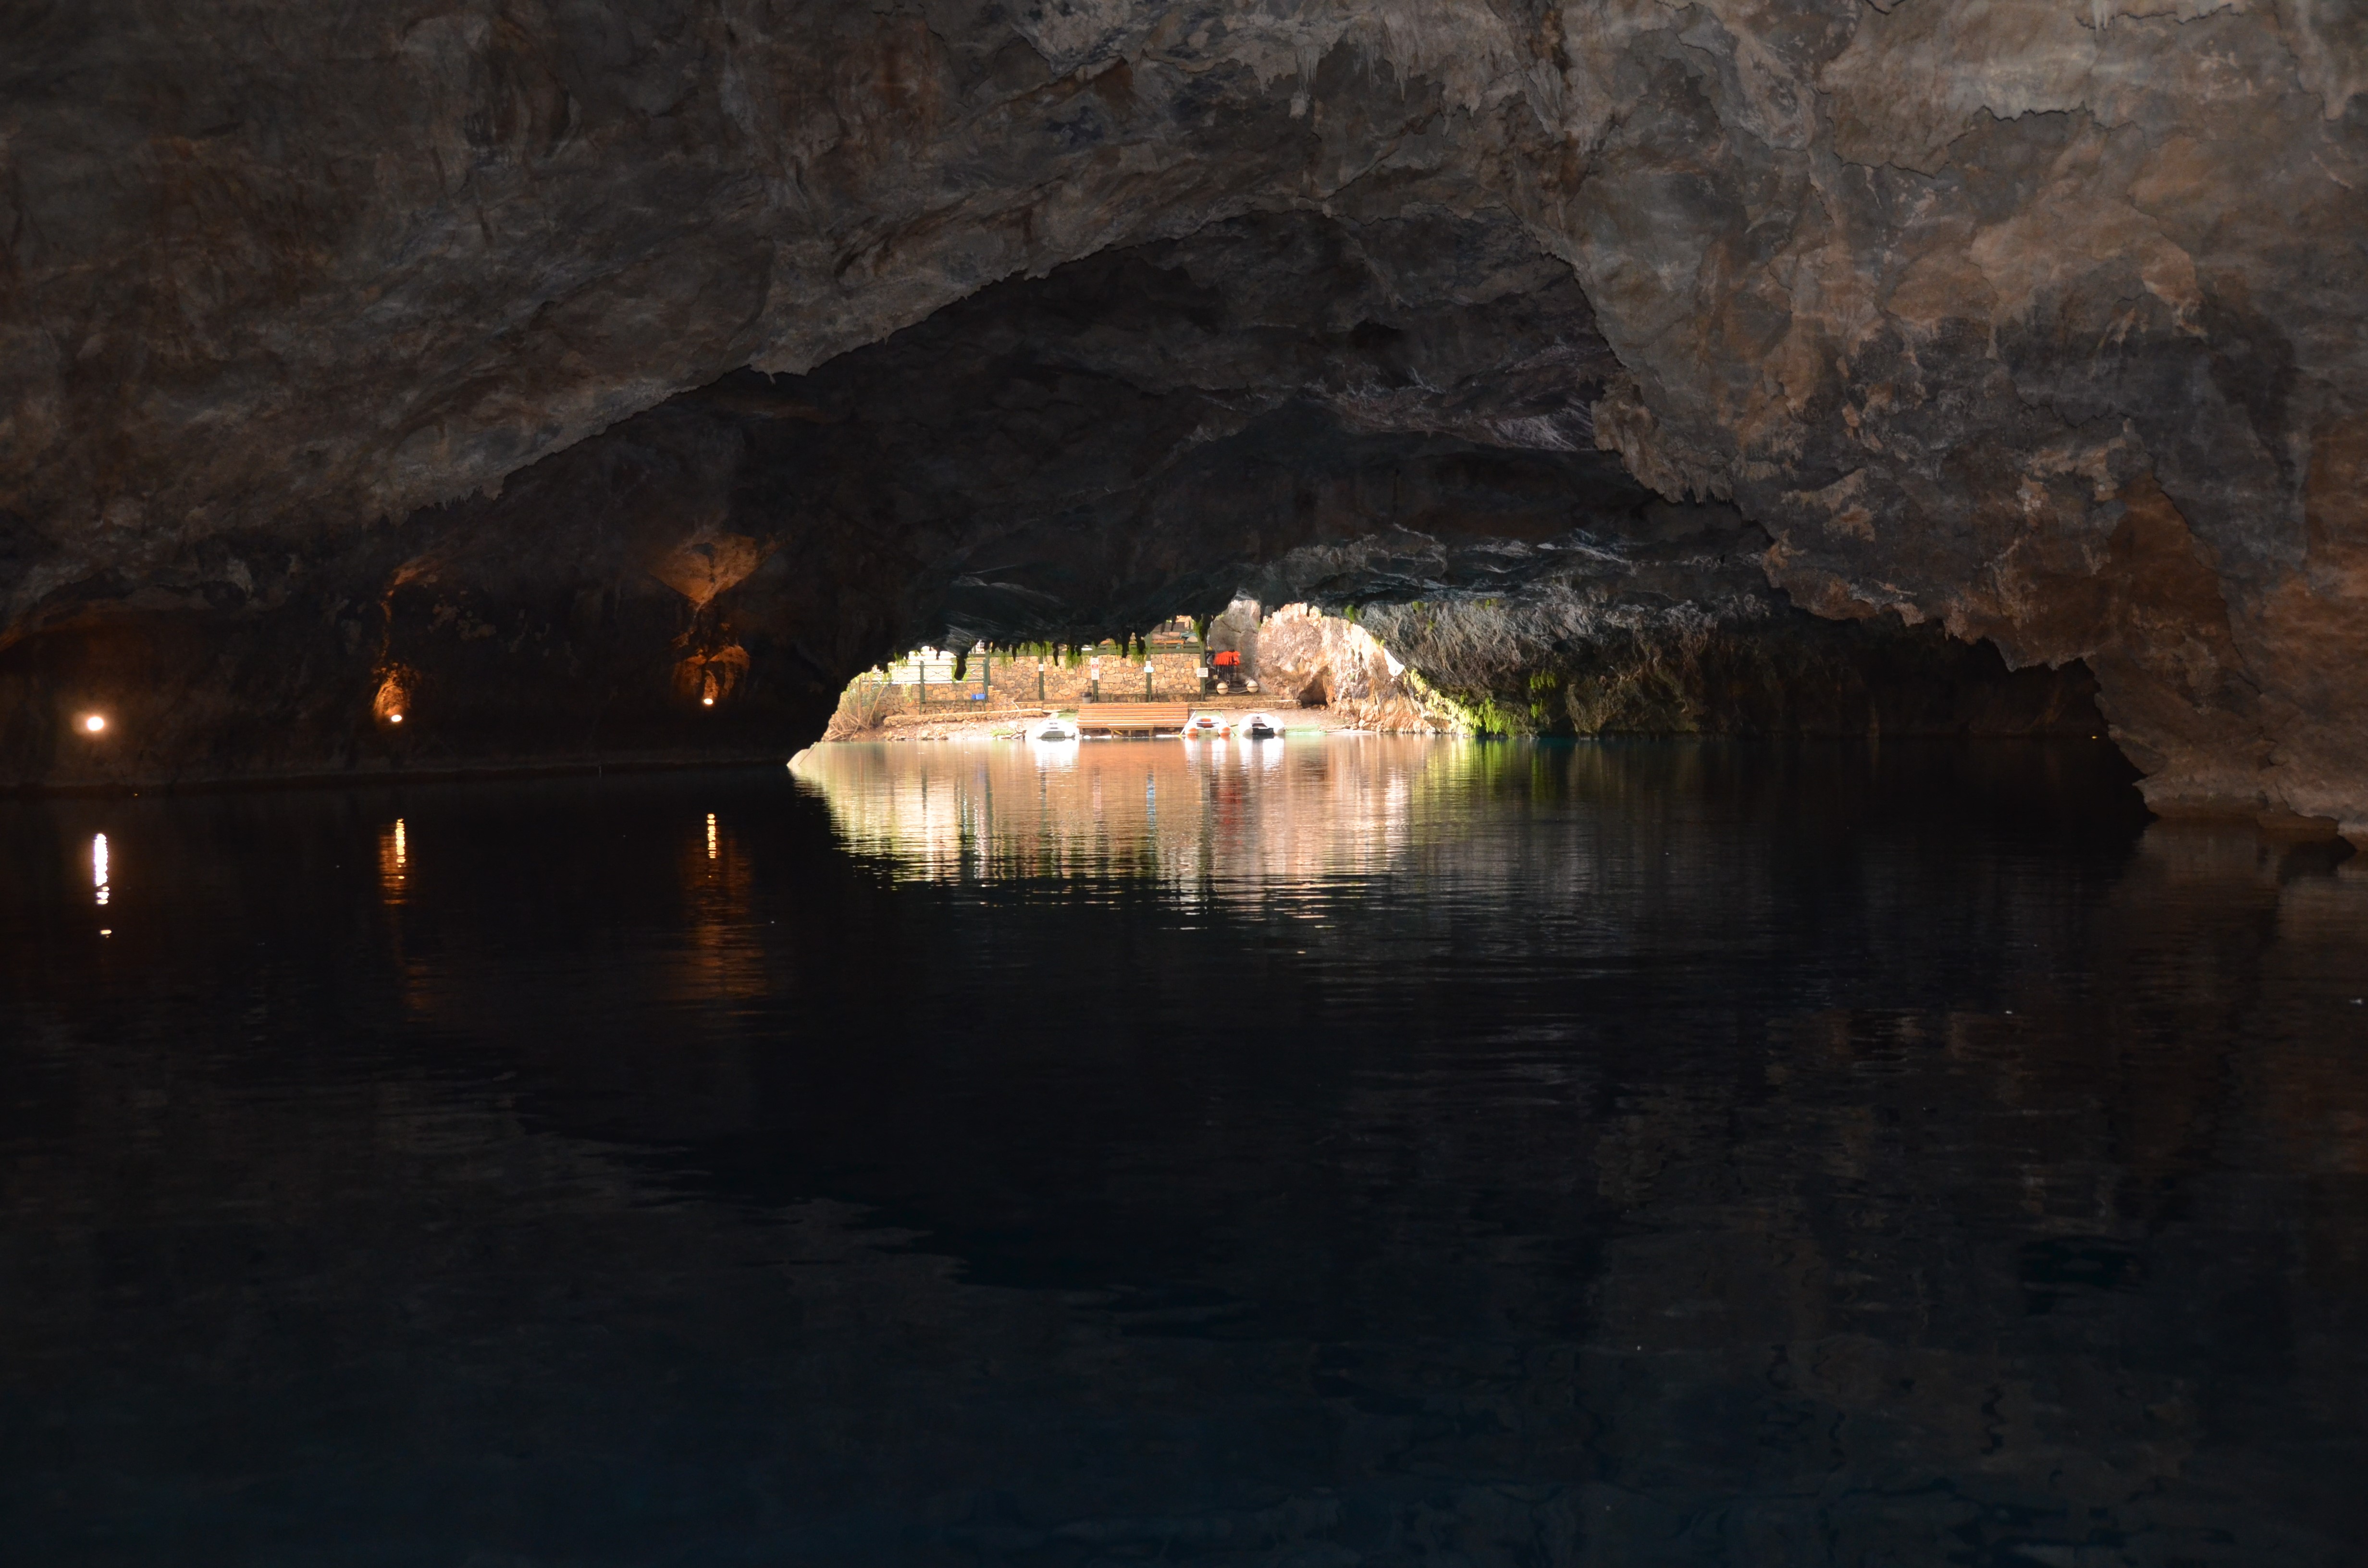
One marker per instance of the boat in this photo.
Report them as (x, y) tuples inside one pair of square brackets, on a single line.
[(1052, 728), (1258, 727), (1203, 727)]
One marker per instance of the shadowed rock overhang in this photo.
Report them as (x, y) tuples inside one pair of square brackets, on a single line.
[(556, 366)]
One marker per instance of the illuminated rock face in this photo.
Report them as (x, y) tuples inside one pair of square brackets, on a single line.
[(2038, 321)]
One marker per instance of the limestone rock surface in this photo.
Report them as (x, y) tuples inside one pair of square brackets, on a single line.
[(2037, 321)]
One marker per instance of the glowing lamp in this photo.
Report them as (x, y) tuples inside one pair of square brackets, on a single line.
[(94, 722), (393, 698), (707, 702)]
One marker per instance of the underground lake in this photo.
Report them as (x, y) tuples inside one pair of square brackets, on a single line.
[(1337, 1149)]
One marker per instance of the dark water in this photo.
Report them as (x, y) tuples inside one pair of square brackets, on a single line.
[(1347, 1151)]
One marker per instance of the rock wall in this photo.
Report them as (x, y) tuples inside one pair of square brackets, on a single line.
[(1679, 641), (2037, 321), (1604, 650), (1314, 659)]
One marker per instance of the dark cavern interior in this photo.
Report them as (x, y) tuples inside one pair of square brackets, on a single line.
[(1865, 500), (524, 354)]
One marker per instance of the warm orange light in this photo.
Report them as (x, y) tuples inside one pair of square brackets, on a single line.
[(393, 863), (393, 698), (94, 722), (707, 702)]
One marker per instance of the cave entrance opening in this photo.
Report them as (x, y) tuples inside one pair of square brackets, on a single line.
[(1310, 667), (994, 683)]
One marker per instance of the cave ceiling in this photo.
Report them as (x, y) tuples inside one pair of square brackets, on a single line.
[(543, 348)]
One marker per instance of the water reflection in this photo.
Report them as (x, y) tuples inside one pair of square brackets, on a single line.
[(394, 862), (1223, 818), (1346, 1152), (720, 958), (98, 865)]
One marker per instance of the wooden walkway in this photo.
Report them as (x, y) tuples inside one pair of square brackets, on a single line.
[(1133, 717)]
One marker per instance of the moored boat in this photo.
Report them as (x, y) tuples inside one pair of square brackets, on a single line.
[(1052, 728)]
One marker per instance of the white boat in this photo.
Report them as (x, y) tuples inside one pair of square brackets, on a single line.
[(1258, 727), (1052, 728), (1203, 727)]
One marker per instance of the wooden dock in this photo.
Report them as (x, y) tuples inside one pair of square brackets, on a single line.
[(1133, 717)]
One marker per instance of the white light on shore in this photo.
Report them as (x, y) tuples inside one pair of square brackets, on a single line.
[(94, 722)]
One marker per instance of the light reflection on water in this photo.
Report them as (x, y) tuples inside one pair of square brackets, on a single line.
[(1333, 1150), (394, 862), (1218, 818)]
